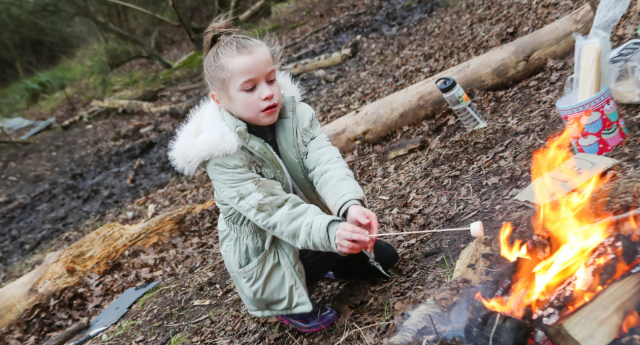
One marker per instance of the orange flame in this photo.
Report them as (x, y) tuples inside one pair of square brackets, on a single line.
[(632, 320), (514, 252), (569, 226)]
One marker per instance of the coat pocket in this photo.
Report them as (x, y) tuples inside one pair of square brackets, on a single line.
[(270, 283)]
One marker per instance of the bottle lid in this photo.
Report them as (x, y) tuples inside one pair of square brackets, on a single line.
[(446, 84)]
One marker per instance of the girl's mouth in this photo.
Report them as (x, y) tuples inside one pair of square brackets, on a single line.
[(271, 108)]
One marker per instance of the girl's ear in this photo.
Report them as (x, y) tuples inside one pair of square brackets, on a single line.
[(216, 98)]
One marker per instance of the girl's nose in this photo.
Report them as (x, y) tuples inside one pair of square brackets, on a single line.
[(267, 94)]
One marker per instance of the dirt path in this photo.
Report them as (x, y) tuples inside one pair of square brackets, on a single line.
[(455, 179)]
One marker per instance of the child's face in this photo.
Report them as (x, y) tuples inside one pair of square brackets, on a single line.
[(253, 93)]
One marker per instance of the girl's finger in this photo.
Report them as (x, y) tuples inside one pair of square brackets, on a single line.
[(359, 238), (363, 219)]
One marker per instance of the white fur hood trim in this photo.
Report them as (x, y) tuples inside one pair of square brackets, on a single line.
[(205, 135)]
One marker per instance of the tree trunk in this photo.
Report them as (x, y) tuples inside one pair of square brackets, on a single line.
[(497, 68), (130, 38)]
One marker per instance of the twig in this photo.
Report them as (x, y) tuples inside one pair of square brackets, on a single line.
[(4, 130), (140, 9), (164, 339), (16, 142), (361, 332), (132, 175), (294, 339), (69, 333), (494, 329), (190, 322), (434, 327), (348, 334), (331, 22)]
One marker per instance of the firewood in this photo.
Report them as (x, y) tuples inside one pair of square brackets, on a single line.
[(95, 252), (589, 83), (471, 265), (485, 327), (419, 318), (499, 67), (599, 321)]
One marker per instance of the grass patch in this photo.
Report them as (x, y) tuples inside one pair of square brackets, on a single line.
[(122, 328), (148, 295), (178, 339)]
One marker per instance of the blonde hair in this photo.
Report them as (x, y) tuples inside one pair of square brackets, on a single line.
[(222, 42)]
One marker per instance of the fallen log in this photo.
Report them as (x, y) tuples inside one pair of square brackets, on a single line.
[(497, 68), (599, 321), (95, 252), (133, 106)]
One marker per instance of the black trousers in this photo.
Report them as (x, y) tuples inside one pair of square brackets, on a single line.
[(353, 267)]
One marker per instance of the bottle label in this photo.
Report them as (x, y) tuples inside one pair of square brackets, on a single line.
[(462, 97)]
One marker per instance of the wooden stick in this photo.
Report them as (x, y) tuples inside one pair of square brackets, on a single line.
[(419, 232), (71, 332)]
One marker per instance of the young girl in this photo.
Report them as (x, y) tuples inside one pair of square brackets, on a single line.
[(290, 209)]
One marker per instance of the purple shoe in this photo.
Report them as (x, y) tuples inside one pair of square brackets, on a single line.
[(315, 320)]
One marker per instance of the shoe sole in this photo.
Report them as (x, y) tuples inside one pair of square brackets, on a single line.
[(305, 331)]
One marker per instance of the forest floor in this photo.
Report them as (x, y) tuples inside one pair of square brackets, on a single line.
[(68, 183)]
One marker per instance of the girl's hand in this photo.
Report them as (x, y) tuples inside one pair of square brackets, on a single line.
[(351, 239), (364, 219)]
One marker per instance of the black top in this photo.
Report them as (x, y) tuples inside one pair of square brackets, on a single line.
[(446, 84), (267, 134)]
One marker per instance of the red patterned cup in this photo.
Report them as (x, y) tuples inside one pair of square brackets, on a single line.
[(595, 124)]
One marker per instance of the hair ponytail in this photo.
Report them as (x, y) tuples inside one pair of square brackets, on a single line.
[(219, 28), (221, 41)]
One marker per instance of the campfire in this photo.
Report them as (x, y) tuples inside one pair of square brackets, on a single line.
[(575, 280)]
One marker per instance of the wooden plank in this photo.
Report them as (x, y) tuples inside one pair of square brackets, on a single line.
[(599, 321)]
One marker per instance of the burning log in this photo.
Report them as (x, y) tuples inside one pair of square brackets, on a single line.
[(599, 321), (485, 327), (427, 314)]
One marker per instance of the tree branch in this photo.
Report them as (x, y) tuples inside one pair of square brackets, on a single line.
[(185, 25), (140, 9)]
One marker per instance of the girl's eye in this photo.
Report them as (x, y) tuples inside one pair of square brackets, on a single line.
[(272, 81), (250, 89)]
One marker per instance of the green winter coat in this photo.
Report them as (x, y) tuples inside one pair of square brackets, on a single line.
[(270, 207)]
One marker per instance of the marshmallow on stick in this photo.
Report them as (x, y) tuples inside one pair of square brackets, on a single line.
[(476, 229)]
